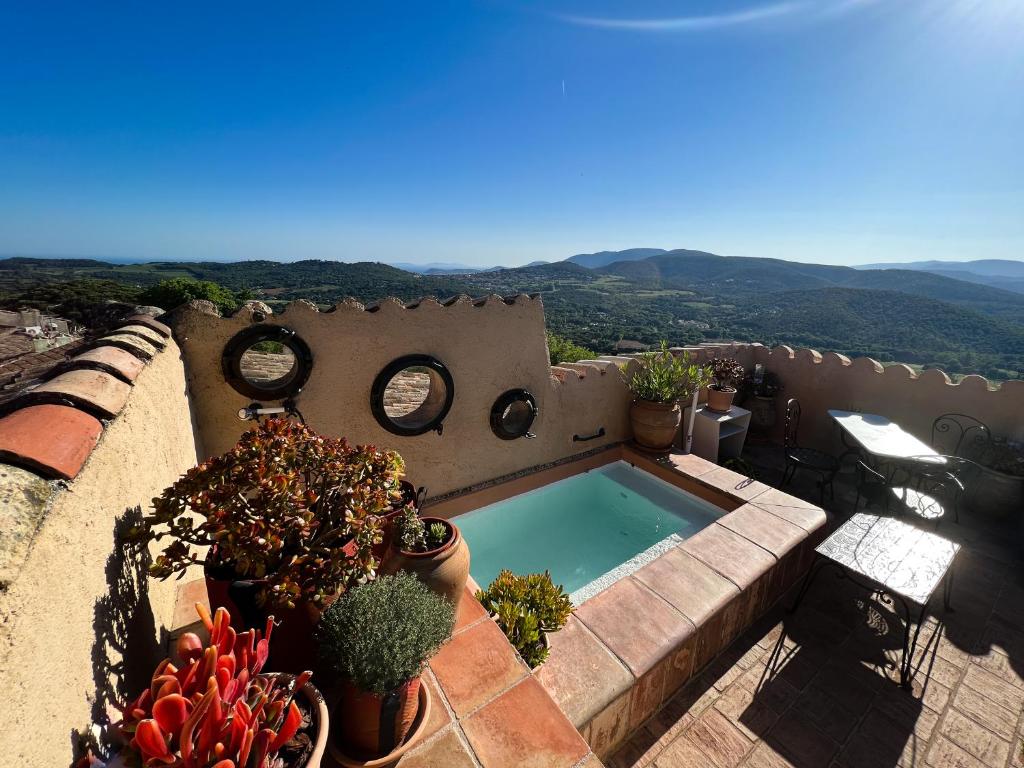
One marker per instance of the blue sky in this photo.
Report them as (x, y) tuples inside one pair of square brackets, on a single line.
[(836, 131)]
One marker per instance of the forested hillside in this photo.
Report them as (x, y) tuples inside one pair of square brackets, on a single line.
[(681, 296)]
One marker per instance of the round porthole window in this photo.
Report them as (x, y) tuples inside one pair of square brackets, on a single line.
[(412, 395), (513, 413), (267, 362)]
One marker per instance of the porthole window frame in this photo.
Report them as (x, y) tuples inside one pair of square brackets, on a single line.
[(502, 403), (392, 369), (231, 361)]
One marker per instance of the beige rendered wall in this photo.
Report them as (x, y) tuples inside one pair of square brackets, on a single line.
[(821, 381), (489, 346), (82, 603)]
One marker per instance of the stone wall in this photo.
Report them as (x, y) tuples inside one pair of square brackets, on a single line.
[(490, 345), (75, 603), (821, 381)]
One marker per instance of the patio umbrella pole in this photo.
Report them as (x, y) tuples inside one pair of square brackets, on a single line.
[(689, 425)]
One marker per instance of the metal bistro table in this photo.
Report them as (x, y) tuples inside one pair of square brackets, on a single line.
[(879, 436), (890, 559)]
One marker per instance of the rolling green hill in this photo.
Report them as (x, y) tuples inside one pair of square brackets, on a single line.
[(682, 296)]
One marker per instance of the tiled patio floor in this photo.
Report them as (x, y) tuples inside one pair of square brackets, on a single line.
[(819, 688)]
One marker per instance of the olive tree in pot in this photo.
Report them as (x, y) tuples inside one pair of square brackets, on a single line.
[(377, 639), (284, 522), (433, 550), (658, 381), (726, 373)]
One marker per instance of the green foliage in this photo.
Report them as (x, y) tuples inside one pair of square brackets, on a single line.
[(280, 505), (88, 302), (381, 634), (726, 371), (437, 533), (410, 533), (172, 293), (661, 377), (562, 350), (527, 607)]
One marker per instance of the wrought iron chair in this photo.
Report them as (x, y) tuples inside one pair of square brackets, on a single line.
[(957, 434), (822, 464), (872, 486), (934, 485)]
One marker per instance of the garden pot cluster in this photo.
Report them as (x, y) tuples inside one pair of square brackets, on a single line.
[(320, 543)]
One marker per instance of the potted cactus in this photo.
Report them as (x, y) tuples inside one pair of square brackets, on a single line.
[(726, 373), (376, 640), (657, 382), (287, 518), (433, 550), (528, 609), (217, 708)]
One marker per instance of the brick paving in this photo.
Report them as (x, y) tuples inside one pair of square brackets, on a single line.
[(819, 688)]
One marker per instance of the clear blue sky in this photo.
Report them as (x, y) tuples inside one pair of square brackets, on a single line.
[(838, 131)]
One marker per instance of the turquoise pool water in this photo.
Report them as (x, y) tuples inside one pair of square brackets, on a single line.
[(588, 530)]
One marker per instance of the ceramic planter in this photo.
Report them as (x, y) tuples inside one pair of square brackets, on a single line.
[(655, 425), (762, 413), (995, 494), (720, 398), (444, 570), (373, 730)]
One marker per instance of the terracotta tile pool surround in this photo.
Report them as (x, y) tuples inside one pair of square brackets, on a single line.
[(628, 649)]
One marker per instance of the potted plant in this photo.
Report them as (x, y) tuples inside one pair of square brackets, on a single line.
[(998, 488), (217, 708), (283, 521), (759, 388), (376, 639), (726, 373), (657, 382), (433, 550), (528, 609)]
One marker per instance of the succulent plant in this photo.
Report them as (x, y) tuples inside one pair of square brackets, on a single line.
[(216, 709), (526, 608), (280, 506), (413, 535), (726, 371)]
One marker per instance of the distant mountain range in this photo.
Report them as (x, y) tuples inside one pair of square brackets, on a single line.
[(1000, 273), (899, 313)]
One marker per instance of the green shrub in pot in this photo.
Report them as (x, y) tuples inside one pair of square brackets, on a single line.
[(377, 639), (527, 608)]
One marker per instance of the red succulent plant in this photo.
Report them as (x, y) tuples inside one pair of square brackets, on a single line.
[(294, 510), (216, 710)]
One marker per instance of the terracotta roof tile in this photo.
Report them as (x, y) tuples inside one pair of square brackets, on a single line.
[(113, 360), (126, 341), (93, 391), (54, 440), (144, 332), (149, 322)]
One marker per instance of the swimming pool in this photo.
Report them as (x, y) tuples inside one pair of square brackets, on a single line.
[(589, 530)]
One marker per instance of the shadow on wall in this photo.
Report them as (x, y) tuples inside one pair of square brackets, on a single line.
[(126, 648)]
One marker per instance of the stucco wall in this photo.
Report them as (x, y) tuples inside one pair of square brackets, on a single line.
[(821, 381), (81, 603), (488, 346)]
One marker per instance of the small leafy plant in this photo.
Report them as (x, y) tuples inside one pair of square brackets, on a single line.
[(527, 608), (726, 372), (288, 507), (662, 377), (381, 634), (217, 709), (413, 535)]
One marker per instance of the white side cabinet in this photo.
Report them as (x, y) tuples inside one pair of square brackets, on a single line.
[(719, 436)]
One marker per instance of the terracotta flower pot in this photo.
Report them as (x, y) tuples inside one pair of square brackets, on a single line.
[(444, 569), (720, 398), (321, 727), (655, 425), (372, 725)]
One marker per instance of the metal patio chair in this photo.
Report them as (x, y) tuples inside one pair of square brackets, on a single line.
[(824, 465)]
